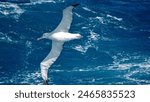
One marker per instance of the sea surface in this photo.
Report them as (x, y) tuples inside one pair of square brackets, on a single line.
[(114, 50)]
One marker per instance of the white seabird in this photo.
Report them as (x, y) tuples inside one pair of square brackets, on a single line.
[(58, 37)]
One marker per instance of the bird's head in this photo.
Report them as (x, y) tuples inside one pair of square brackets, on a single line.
[(44, 36)]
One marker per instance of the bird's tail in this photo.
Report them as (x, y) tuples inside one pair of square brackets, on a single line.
[(78, 36)]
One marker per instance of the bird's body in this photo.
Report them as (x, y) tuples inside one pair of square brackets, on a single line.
[(59, 36), (64, 36)]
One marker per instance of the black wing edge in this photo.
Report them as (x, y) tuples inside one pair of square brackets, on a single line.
[(75, 5)]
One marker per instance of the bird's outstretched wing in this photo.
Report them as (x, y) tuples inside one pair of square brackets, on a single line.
[(66, 21), (51, 58)]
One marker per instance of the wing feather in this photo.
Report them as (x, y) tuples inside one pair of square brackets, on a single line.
[(66, 21), (51, 58)]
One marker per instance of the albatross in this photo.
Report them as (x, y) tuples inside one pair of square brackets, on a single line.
[(58, 36)]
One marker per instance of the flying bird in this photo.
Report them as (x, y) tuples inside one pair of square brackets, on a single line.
[(58, 37)]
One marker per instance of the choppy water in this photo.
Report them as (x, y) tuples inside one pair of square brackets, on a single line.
[(115, 48)]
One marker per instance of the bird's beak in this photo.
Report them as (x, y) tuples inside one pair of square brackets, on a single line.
[(40, 38)]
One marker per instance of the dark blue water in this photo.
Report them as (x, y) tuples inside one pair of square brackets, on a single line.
[(115, 48)]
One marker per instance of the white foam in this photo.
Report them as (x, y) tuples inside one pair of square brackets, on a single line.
[(28, 44), (121, 62), (29, 49), (5, 38), (125, 66), (101, 19), (87, 9), (84, 27), (115, 18), (103, 38), (122, 27), (145, 65), (138, 81), (10, 9), (80, 48), (78, 15), (94, 36), (83, 48), (119, 66), (34, 2), (108, 19), (31, 78), (91, 41), (25, 77)]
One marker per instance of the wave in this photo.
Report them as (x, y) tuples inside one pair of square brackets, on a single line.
[(34, 2), (114, 17), (134, 75), (14, 10), (8, 38), (87, 9), (32, 78), (26, 77), (107, 19), (93, 37), (10, 9), (91, 41)]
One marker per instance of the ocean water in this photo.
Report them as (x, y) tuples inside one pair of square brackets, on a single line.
[(115, 48)]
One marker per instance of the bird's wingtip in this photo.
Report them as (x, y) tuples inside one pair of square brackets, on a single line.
[(75, 5), (46, 82)]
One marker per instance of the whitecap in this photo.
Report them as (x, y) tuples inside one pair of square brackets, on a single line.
[(134, 79), (83, 48), (93, 36), (122, 27), (103, 38), (5, 38), (26, 77), (122, 61), (91, 41), (31, 78), (10, 9), (78, 15), (114, 17), (34, 2), (87, 9), (84, 27), (11, 37), (80, 48), (28, 44), (101, 19)]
